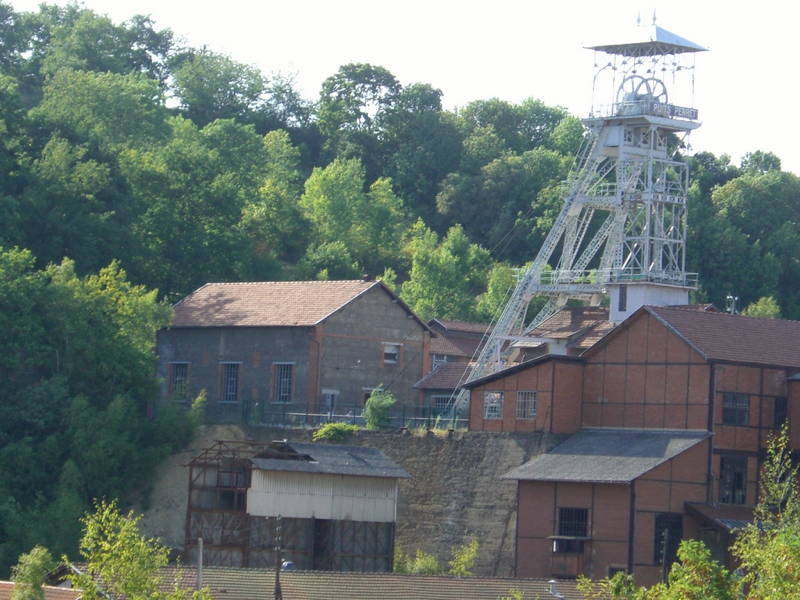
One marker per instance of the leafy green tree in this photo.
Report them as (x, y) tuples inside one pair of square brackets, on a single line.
[(351, 105), (30, 573), (464, 557), (370, 224), (768, 549), (500, 283), (122, 563), (378, 408), (212, 86), (445, 276), (763, 308), (760, 162)]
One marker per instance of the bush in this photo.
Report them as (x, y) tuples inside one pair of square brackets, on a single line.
[(334, 432), (379, 404)]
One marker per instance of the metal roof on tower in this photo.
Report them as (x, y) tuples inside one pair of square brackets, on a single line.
[(646, 40)]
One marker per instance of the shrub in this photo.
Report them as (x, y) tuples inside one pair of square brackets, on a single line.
[(334, 432), (379, 405)]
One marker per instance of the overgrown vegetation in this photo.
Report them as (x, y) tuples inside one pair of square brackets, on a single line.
[(334, 432), (461, 563), (30, 574), (378, 408)]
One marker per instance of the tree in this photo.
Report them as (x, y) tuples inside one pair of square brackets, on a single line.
[(763, 308), (213, 86), (445, 276), (768, 549), (378, 407), (30, 573), (760, 162), (121, 563)]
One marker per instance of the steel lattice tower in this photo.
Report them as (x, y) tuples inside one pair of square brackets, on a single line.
[(622, 226)]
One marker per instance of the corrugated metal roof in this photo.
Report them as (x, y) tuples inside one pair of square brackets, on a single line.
[(607, 455), (228, 583), (728, 517), (331, 459), (645, 40)]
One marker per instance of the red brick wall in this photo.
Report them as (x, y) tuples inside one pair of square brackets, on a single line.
[(645, 376), (558, 386)]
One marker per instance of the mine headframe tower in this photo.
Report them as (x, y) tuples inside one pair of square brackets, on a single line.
[(622, 228)]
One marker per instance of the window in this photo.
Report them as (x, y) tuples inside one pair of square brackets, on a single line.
[(230, 382), (329, 400), (283, 382), (668, 533), (622, 305), (493, 405), (573, 528), (178, 378), (735, 409), (732, 476), (526, 405), (438, 359), (440, 404), (781, 412), (391, 353)]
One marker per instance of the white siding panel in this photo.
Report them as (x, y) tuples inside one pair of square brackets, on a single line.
[(305, 495)]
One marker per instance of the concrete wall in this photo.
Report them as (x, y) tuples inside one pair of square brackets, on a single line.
[(255, 348), (455, 490), (351, 349)]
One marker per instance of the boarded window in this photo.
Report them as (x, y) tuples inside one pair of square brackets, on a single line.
[(283, 383), (230, 382), (733, 475), (178, 379), (735, 409), (391, 353), (493, 405), (526, 405)]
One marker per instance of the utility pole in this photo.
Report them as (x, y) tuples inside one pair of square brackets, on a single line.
[(278, 595)]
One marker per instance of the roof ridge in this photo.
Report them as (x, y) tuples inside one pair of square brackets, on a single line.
[(724, 314), (285, 281)]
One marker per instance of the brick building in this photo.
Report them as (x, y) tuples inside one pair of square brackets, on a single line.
[(265, 350), (668, 415)]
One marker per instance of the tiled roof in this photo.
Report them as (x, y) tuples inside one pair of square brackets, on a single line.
[(722, 336), (271, 303), (50, 592), (592, 335), (248, 584), (462, 326), (607, 455), (445, 376), (570, 321), (455, 345), (520, 367), (332, 459)]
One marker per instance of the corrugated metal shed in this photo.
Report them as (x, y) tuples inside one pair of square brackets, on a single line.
[(329, 459)]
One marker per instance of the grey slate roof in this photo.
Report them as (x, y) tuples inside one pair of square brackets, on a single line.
[(607, 455), (330, 459)]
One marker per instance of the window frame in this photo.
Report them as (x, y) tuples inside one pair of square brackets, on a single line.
[(436, 409), (784, 411), (277, 391), (172, 388), (735, 409), (437, 358), (224, 395), (732, 490), (526, 403), (572, 531), (391, 345), (492, 403)]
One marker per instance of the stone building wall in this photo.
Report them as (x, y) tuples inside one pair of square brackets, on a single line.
[(455, 491)]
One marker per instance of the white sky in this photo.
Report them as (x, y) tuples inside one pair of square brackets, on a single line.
[(747, 87)]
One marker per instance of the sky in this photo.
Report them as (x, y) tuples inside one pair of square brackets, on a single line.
[(746, 86)]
